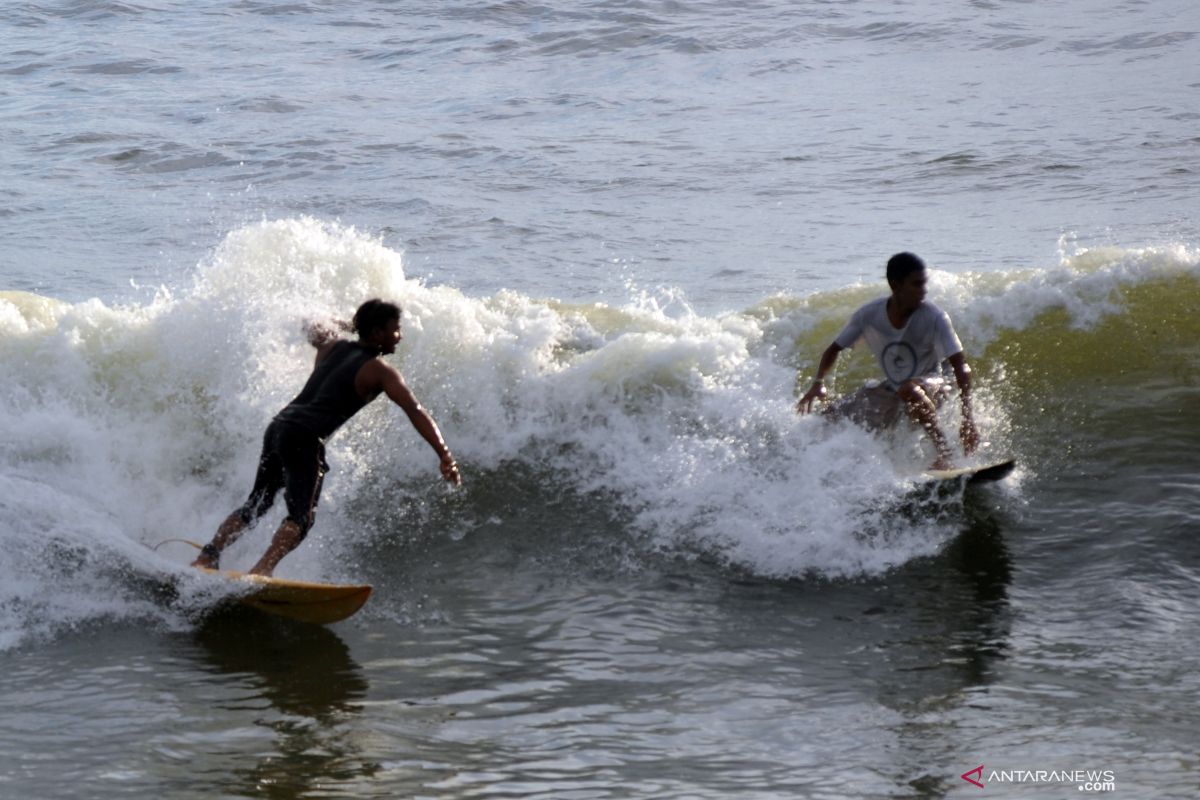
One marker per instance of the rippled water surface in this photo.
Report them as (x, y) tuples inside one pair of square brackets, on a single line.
[(730, 151), (619, 231)]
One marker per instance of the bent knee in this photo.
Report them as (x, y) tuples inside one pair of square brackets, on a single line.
[(303, 525)]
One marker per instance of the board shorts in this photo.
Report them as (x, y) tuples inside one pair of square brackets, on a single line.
[(293, 459), (877, 406)]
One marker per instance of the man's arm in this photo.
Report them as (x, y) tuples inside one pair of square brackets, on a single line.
[(962, 375), (817, 390), (394, 387)]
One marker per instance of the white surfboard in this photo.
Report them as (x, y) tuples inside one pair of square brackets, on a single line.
[(981, 473)]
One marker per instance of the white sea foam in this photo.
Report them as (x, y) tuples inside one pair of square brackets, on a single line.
[(123, 426)]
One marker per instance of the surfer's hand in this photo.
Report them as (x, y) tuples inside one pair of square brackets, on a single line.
[(449, 468), (321, 332), (969, 436), (816, 392)]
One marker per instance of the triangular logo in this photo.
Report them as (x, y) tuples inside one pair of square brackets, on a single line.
[(978, 772)]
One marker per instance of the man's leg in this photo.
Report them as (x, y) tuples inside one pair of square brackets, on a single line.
[(923, 412), (304, 473), (267, 483), (227, 534), (286, 539)]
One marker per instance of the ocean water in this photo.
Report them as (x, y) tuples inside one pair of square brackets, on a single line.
[(620, 231)]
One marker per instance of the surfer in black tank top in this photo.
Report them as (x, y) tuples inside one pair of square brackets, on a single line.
[(329, 398), (347, 375)]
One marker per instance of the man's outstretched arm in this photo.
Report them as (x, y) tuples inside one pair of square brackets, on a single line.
[(817, 390), (401, 395)]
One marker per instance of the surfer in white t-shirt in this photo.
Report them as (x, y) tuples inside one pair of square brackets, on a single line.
[(911, 339)]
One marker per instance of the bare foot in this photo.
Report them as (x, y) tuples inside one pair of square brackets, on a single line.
[(209, 557)]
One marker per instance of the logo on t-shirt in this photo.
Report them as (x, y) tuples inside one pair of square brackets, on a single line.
[(899, 361)]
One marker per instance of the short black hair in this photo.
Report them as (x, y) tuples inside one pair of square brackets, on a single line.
[(901, 265), (374, 314)]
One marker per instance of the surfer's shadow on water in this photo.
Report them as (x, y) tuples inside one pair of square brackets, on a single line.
[(301, 669), (942, 621), (312, 688)]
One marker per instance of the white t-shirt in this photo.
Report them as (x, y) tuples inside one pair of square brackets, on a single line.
[(914, 351)]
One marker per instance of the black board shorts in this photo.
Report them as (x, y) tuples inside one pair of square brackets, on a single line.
[(293, 459)]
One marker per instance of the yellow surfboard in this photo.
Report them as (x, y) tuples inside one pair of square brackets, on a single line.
[(319, 603)]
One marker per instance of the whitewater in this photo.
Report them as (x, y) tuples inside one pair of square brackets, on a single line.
[(127, 425), (622, 234)]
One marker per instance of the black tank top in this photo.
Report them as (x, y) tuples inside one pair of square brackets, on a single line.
[(329, 397)]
